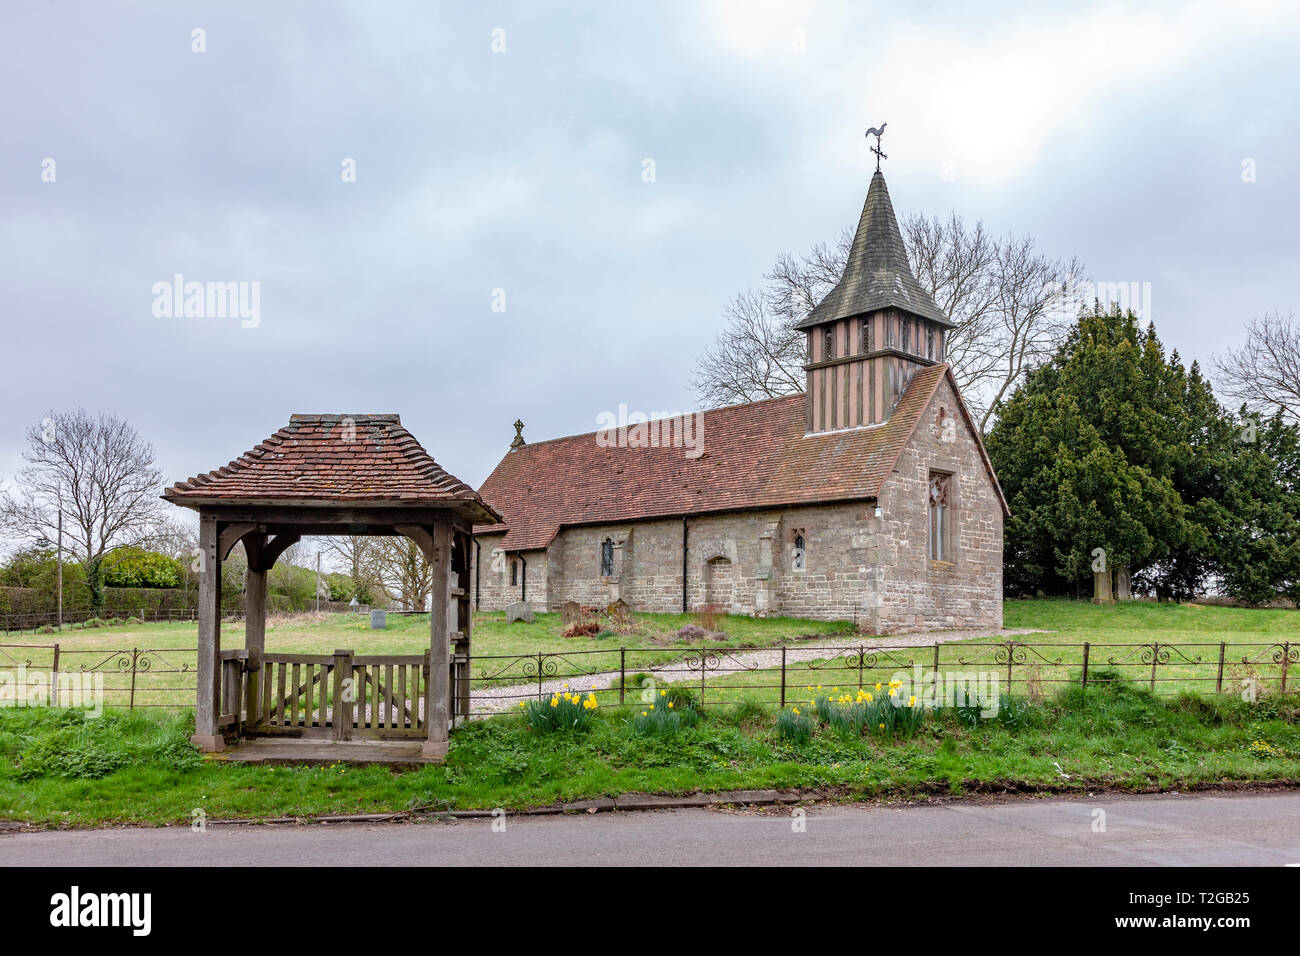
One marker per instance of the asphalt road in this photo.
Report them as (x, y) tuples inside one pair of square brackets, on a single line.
[(1209, 829)]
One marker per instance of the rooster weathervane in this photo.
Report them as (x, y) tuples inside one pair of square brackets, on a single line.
[(878, 132)]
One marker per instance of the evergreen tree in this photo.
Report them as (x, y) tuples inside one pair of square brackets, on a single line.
[(1115, 445)]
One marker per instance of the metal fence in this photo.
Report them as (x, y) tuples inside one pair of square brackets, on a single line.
[(772, 676), (129, 677), (19, 623), (795, 673)]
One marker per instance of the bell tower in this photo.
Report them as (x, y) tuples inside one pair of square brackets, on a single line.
[(871, 332)]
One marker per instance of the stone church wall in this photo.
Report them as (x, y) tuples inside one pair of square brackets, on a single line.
[(875, 571)]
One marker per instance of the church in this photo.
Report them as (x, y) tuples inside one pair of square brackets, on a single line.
[(868, 497)]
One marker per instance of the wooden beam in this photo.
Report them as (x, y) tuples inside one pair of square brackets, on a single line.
[(437, 707), (272, 549), (230, 535), (421, 536), (255, 613), (338, 514), (207, 737)]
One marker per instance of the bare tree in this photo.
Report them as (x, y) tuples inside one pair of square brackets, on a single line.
[(1029, 320), (1005, 298), (1265, 371), (357, 556), (180, 540), (757, 355), (403, 572), (100, 473)]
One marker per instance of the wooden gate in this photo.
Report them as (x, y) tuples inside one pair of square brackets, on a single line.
[(339, 696)]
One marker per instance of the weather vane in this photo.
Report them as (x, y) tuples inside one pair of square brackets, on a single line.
[(878, 132)]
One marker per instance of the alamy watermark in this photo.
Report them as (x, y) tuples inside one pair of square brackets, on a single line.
[(1070, 297), (179, 299), (79, 690), (628, 429), (949, 689)]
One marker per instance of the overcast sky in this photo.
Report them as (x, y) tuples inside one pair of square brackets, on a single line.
[(1112, 132)]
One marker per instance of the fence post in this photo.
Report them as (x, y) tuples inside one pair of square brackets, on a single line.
[(1223, 648), (1087, 649), (622, 676), (936, 670), (704, 660), (1155, 659), (783, 677), (539, 676), (343, 706), (135, 657), (1286, 654)]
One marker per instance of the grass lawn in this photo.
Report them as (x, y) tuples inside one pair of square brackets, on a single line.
[(172, 660), (1055, 657), (59, 768), (1054, 661)]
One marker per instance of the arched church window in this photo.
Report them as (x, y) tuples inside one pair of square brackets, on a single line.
[(514, 572), (828, 344), (865, 336), (940, 517), (607, 558), (798, 553)]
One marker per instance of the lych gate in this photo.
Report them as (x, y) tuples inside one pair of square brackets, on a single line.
[(332, 475)]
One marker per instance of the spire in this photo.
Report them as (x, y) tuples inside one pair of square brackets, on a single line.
[(876, 275)]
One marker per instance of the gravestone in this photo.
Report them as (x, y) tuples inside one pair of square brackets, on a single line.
[(570, 613), (378, 620), (519, 611)]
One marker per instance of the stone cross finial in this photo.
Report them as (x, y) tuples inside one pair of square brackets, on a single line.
[(878, 132), (519, 435)]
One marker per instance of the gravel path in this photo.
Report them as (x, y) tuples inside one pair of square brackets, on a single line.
[(685, 665)]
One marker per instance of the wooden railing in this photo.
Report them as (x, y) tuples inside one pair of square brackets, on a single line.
[(339, 696)]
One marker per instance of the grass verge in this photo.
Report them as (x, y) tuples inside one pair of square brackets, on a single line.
[(59, 768)]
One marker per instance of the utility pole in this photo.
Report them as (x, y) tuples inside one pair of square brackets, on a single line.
[(59, 578)]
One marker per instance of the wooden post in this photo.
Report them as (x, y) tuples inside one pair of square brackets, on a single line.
[(782, 676), (206, 736), (438, 690), (345, 694), (254, 621), (1087, 648)]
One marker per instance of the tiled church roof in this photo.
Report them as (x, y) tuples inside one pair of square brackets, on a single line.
[(876, 275), (755, 456), (332, 459)]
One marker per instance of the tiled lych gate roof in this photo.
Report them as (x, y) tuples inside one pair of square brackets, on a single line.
[(755, 456), (876, 275), (333, 460)]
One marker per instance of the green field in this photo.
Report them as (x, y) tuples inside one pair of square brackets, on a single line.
[(163, 673), (57, 767)]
